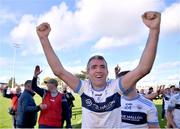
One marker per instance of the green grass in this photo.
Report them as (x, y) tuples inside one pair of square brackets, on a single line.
[(5, 118), (158, 104), (6, 122)]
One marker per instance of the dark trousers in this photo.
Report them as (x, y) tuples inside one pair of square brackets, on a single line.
[(24, 126), (14, 121), (163, 111), (46, 126)]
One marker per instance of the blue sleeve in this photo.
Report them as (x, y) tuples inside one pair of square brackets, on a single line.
[(121, 88), (66, 112), (38, 90), (27, 107), (78, 87)]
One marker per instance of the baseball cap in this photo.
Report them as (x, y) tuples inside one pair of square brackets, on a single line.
[(53, 81)]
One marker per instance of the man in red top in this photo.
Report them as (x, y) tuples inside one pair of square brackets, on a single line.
[(14, 102), (55, 109)]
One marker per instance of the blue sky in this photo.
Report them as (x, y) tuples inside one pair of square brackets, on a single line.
[(82, 28)]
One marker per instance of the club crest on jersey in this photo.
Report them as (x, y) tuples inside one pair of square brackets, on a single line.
[(139, 107), (88, 102)]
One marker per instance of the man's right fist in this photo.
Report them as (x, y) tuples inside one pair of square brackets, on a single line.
[(42, 27), (43, 106), (43, 30)]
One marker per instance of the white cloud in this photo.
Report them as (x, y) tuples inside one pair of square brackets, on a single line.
[(113, 23), (90, 21), (164, 73), (125, 65), (169, 66), (128, 65), (174, 77), (75, 69), (25, 35), (6, 17), (170, 22), (108, 42)]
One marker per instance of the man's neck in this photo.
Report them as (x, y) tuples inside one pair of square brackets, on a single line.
[(54, 93), (132, 94)]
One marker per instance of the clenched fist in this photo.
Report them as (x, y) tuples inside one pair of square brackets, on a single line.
[(43, 106), (43, 30), (152, 19)]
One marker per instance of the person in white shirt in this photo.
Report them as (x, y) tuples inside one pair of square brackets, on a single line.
[(100, 98), (174, 110), (136, 110)]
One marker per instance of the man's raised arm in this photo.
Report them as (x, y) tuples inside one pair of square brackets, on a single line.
[(152, 21), (43, 31)]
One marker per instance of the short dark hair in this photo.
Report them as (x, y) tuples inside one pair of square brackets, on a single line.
[(27, 83), (151, 88), (98, 57), (123, 73), (172, 86)]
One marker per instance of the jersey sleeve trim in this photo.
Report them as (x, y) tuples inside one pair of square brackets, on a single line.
[(153, 123), (124, 91), (78, 87)]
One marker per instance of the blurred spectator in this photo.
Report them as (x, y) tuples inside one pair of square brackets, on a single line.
[(14, 102)]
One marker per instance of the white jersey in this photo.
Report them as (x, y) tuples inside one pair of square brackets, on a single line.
[(174, 106), (101, 109), (138, 112), (166, 98)]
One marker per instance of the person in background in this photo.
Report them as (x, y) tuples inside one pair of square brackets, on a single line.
[(70, 98), (165, 102), (151, 90), (137, 111), (56, 109), (150, 96), (27, 109), (172, 87), (14, 101), (142, 92), (173, 111)]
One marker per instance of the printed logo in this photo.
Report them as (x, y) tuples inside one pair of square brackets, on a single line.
[(139, 107), (88, 102), (128, 106)]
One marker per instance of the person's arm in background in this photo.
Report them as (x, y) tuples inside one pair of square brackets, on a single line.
[(152, 96), (38, 90), (4, 91), (152, 21), (43, 31), (117, 70), (66, 112)]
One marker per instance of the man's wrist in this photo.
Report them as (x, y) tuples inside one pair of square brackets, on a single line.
[(35, 76), (43, 38), (156, 29)]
